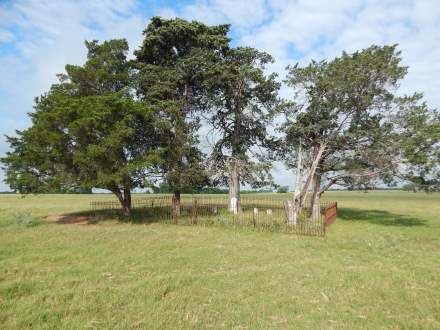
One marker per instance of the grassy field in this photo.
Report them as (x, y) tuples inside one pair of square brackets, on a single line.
[(378, 267)]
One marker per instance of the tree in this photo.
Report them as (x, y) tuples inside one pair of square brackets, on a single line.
[(283, 189), (87, 131), (243, 101), (420, 141), (348, 123), (173, 64)]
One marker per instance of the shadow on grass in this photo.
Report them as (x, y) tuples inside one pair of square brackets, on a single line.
[(138, 216), (379, 217), (148, 216)]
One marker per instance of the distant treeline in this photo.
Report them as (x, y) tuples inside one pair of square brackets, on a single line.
[(164, 188)]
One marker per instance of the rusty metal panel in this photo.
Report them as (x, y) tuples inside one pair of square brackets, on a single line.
[(330, 213)]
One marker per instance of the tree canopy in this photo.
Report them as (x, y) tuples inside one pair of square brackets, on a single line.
[(352, 124), (120, 124), (174, 63), (243, 102), (87, 131)]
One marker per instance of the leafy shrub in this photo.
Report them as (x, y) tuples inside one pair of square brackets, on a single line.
[(283, 189)]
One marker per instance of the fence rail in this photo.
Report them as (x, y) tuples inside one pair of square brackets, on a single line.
[(263, 213)]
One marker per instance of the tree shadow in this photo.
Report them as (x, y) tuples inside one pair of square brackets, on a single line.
[(149, 216), (379, 217), (138, 216)]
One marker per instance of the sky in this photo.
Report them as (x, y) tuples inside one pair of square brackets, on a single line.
[(38, 38)]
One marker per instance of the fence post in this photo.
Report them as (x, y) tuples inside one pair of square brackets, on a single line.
[(194, 212), (254, 213)]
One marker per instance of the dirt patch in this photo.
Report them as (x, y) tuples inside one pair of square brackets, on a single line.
[(69, 219)]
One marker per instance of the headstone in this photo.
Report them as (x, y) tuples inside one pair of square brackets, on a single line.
[(234, 206)]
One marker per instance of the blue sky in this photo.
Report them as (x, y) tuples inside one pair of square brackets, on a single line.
[(37, 38)]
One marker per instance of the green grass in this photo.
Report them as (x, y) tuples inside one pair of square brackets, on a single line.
[(378, 267)]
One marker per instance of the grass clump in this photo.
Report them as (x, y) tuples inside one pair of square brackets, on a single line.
[(19, 218)]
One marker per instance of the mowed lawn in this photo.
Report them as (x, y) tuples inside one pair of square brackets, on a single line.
[(378, 267)]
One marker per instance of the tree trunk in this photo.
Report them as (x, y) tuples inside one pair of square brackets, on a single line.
[(296, 195), (234, 175), (234, 188), (311, 174), (124, 197), (127, 202), (315, 198), (176, 206)]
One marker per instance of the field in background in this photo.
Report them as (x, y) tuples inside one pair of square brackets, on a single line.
[(378, 267)]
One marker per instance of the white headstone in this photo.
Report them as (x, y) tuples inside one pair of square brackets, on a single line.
[(234, 206)]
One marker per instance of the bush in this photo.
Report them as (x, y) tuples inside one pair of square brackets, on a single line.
[(283, 189)]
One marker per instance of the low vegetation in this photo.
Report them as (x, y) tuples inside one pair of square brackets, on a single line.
[(377, 267)]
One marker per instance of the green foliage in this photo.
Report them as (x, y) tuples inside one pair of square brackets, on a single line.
[(213, 190), (87, 131), (420, 141), (351, 108), (243, 101), (283, 189), (173, 64)]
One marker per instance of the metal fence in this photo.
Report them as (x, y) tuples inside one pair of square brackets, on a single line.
[(262, 213)]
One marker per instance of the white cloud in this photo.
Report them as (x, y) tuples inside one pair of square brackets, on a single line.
[(302, 23), (167, 13), (52, 34), (6, 36), (55, 32), (242, 14)]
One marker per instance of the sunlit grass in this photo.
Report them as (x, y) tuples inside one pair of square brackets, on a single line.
[(378, 267)]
